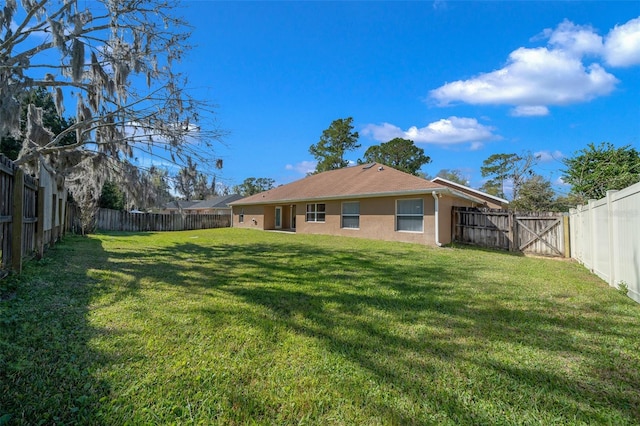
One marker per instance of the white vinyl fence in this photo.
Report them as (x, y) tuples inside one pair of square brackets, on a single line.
[(605, 237)]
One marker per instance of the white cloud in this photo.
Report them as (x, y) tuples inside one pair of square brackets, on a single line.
[(303, 167), (529, 111), (476, 146), (575, 39), (548, 156), (383, 132), (446, 131), (622, 44), (568, 70), (532, 77)]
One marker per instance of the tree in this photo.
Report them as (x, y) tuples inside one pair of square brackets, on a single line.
[(112, 197), (12, 145), (593, 171), (535, 194), (401, 154), (454, 175), (492, 187), (223, 189), (192, 184), (252, 186), (563, 203), (159, 185), (117, 59), (508, 167), (333, 144)]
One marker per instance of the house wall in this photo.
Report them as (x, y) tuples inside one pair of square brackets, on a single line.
[(445, 218), (253, 217), (377, 219)]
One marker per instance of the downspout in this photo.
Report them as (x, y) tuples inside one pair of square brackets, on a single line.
[(435, 197)]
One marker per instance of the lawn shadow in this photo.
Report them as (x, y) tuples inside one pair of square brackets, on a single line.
[(459, 327), (47, 364), (407, 323)]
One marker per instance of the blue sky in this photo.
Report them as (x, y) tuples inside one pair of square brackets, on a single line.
[(463, 80)]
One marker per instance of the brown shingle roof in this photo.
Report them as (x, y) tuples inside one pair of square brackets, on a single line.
[(357, 181), (219, 202)]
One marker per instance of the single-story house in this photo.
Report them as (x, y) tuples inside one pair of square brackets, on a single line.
[(215, 205), (176, 206), (491, 201), (370, 201)]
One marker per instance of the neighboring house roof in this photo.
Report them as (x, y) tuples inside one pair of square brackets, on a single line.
[(370, 180), (221, 202), (466, 188), (179, 205)]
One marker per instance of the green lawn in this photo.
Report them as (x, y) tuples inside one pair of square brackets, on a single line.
[(245, 327)]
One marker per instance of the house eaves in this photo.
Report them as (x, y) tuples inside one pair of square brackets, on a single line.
[(349, 183), (426, 191), (467, 188), (459, 194)]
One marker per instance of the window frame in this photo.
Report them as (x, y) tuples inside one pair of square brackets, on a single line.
[(314, 215), (409, 215), (241, 216), (349, 215)]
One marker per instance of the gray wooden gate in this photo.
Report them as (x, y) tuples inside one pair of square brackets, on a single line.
[(539, 233)]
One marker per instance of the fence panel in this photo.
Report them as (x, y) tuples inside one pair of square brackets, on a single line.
[(7, 169), (31, 215), (487, 227), (605, 237), (540, 233), (114, 220), (600, 257)]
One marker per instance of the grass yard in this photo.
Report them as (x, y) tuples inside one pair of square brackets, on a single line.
[(235, 326)]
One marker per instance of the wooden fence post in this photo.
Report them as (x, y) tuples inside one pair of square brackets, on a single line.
[(513, 231), (454, 221), (567, 236), (18, 220), (40, 223)]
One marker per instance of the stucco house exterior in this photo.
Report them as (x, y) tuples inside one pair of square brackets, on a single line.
[(371, 201)]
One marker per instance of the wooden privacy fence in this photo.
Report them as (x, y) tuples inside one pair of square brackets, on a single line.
[(115, 220), (31, 214), (540, 233)]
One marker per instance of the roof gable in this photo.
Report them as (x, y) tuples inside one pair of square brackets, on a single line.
[(459, 186), (357, 181)]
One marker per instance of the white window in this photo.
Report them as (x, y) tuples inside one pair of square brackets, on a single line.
[(410, 215), (241, 216), (315, 212), (351, 215)]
